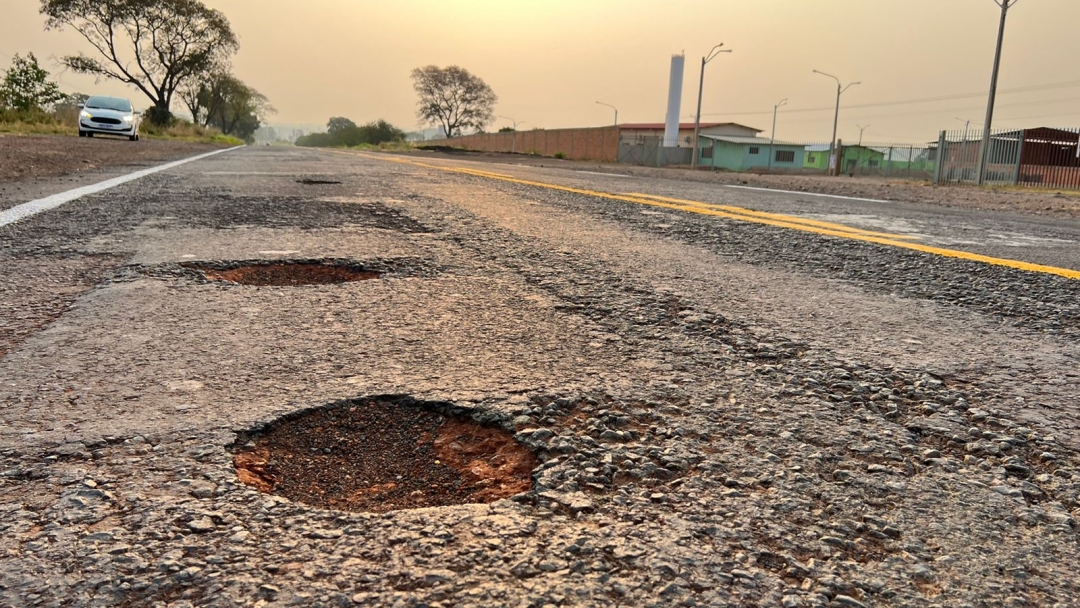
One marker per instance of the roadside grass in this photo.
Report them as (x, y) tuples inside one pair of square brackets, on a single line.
[(388, 146), (183, 130), (41, 123)]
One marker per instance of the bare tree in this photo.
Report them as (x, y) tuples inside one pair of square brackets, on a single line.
[(453, 98), (155, 45)]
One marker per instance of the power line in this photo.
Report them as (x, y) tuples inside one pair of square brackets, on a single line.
[(1024, 89)]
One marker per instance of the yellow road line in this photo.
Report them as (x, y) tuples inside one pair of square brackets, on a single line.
[(866, 238), (794, 219)]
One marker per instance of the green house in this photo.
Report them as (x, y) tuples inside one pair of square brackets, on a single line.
[(862, 157), (735, 153)]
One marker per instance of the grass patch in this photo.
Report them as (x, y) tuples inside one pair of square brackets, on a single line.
[(389, 146), (35, 123), (182, 130)]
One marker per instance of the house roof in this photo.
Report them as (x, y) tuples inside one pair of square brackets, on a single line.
[(735, 139), (659, 126)]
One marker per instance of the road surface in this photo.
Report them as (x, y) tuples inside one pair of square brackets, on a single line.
[(736, 397)]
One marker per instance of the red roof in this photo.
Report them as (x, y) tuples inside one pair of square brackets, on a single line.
[(659, 126)]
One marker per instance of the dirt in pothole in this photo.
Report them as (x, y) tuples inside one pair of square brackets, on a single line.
[(382, 455), (287, 275)]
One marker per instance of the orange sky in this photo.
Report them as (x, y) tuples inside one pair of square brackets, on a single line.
[(551, 60)]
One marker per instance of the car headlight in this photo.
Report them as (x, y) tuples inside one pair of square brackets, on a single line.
[(128, 118), (85, 114)]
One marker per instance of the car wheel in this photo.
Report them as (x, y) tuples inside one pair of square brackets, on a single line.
[(82, 133), (133, 137), (89, 134)]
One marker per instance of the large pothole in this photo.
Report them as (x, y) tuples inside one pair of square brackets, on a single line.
[(382, 454), (285, 273)]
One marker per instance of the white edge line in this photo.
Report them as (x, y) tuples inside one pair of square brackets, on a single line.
[(25, 210), (847, 198), (602, 173)]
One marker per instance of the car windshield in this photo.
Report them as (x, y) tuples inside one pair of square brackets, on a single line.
[(109, 103)]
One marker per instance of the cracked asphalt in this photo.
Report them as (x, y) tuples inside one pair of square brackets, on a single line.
[(724, 413)]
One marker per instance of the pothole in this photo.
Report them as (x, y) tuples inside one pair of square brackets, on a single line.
[(316, 182), (286, 273), (383, 454)]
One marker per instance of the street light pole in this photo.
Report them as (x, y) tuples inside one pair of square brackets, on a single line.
[(701, 87), (984, 149), (861, 129), (613, 108), (772, 136), (836, 117), (513, 140)]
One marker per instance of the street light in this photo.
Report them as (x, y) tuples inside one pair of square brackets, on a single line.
[(836, 117), (613, 108), (984, 150), (772, 137), (861, 129), (963, 146), (513, 139), (701, 86)]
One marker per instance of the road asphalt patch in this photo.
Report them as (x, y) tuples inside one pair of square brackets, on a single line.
[(384, 454)]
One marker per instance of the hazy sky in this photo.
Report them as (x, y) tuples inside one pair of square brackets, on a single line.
[(551, 60)]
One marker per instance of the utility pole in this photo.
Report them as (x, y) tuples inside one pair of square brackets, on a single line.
[(613, 108), (772, 136), (701, 87), (833, 161), (984, 149)]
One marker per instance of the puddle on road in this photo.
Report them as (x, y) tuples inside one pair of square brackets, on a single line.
[(383, 454)]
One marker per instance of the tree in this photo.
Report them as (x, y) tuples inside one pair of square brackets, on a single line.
[(170, 43), (26, 86), (225, 102), (507, 130), (344, 132), (339, 125), (453, 98)]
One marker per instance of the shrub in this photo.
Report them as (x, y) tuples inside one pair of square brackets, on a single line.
[(560, 156)]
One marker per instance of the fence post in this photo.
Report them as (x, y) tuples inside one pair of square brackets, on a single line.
[(940, 158), (1019, 157)]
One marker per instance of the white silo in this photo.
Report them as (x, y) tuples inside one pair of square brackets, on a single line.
[(674, 103)]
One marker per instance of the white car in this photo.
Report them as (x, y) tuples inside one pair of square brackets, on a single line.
[(108, 116)]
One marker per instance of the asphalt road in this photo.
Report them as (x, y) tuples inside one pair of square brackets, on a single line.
[(736, 397)]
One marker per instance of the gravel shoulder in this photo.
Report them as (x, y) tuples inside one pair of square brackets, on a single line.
[(722, 414), (34, 166)]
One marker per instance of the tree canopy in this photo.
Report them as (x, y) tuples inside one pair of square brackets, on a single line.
[(453, 98), (26, 86), (225, 102), (154, 45), (344, 132)]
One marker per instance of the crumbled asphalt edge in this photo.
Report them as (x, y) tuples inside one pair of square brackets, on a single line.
[(165, 196), (192, 272), (1039, 301), (771, 493)]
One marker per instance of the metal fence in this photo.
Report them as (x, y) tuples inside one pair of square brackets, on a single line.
[(1038, 158), (877, 159), (650, 152)]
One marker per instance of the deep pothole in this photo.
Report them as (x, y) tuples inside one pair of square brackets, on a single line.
[(382, 454), (285, 273)]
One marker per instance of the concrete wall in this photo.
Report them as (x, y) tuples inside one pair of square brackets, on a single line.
[(600, 144)]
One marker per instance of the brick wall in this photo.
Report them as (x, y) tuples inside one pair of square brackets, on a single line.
[(599, 144)]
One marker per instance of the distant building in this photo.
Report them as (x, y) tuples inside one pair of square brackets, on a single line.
[(636, 133), (817, 157), (742, 153)]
